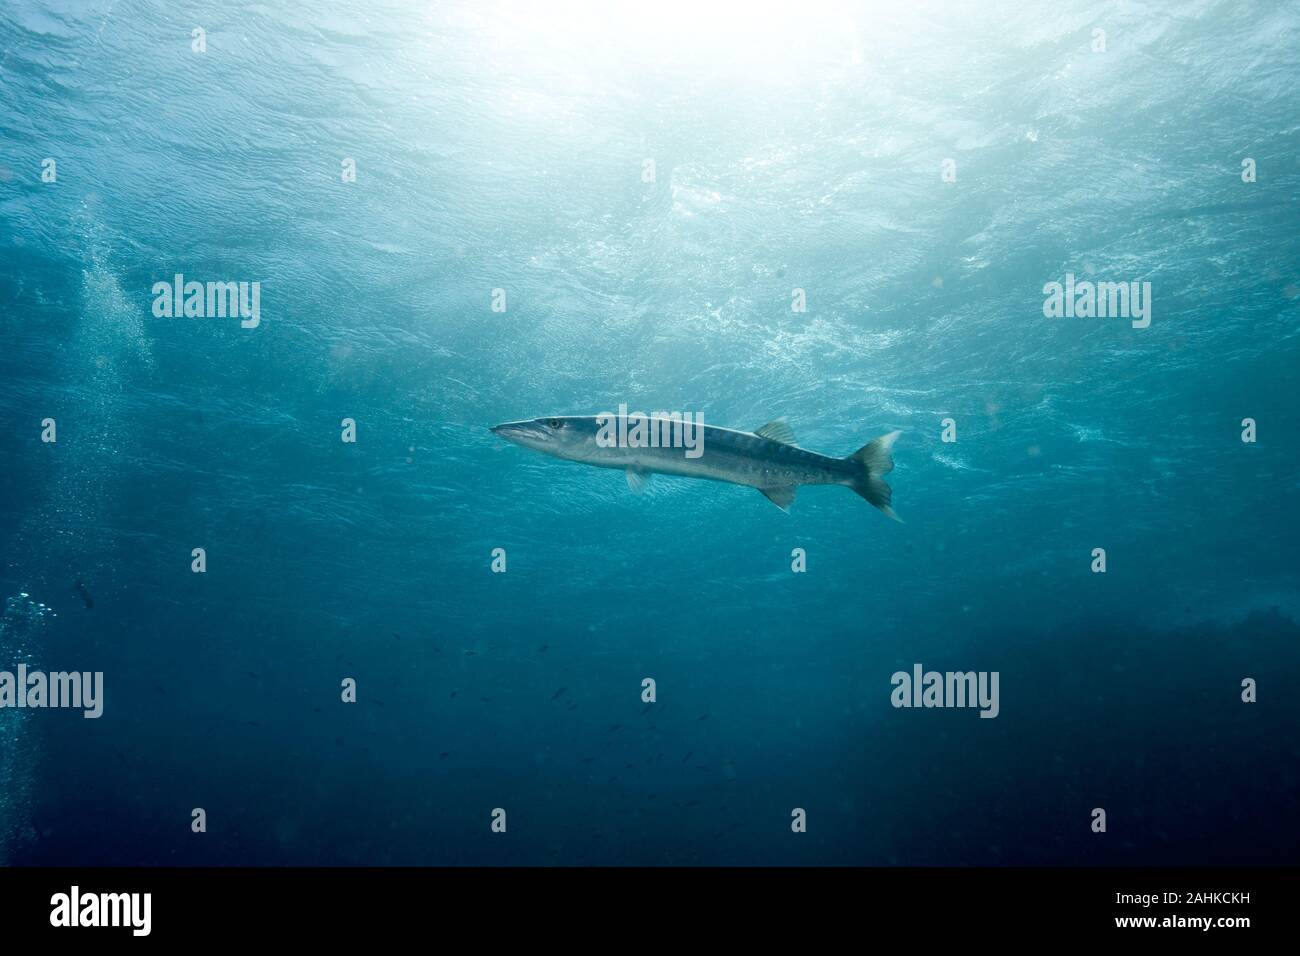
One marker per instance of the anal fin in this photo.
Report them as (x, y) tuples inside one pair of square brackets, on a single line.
[(780, 495)]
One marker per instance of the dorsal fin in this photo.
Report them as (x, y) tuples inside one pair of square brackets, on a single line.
[(777, 431)]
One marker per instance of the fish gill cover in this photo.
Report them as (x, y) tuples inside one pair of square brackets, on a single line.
[(270, 272)]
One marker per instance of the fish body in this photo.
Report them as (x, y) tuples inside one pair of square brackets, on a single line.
[(766, 459)]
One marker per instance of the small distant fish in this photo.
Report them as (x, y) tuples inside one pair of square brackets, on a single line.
[(687, 758), (444, 755), (470, 653), (85, 596), (614, 728), (542, 649), (704, 717), (556, 695)]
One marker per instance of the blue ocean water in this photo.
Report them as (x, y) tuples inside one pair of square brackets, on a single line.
[(648, 186)]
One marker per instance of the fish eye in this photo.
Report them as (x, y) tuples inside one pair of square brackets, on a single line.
[(554, 422)]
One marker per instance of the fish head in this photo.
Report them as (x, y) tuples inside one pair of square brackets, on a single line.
[(565, 436)]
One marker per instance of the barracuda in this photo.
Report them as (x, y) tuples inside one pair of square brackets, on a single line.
[(766, 459)]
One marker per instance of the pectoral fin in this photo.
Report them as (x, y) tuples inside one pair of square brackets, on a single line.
[(782, 496), (636, 480)]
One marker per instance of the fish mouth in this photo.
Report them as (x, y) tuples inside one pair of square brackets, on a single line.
[(520, 432)]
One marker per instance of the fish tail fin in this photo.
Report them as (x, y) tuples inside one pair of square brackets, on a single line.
[(875, 460)]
